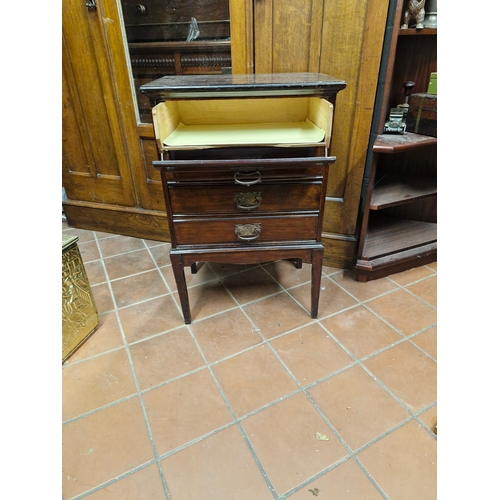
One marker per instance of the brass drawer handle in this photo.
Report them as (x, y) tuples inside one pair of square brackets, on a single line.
[(247, 201), (239, 176), (247, 232)]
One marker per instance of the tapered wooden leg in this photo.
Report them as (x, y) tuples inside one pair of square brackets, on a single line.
[(180, 280), (317, 264)]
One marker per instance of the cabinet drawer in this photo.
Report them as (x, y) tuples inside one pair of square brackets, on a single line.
[(244, 176), (246, 230), (244, 172), (208, 123), (244, 199)]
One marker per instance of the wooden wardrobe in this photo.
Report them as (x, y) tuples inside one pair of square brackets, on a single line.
[(108, 141)]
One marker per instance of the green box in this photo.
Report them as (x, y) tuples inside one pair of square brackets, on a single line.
[(433, 84)]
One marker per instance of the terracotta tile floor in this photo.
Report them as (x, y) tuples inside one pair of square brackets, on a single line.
[(229, 406)]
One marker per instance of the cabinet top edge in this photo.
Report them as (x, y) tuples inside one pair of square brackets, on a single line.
[(192, 86)]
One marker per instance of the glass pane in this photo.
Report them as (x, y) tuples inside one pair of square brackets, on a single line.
[(175, 37)]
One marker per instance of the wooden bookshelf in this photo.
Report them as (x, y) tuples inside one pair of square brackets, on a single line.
[(399, 217)]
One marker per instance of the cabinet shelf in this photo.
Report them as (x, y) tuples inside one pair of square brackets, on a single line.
[(193, 46), (397, 143), (415, 32), (394, 192), (390, 236)]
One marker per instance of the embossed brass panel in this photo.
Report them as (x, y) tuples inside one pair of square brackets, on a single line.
[(79, 312)]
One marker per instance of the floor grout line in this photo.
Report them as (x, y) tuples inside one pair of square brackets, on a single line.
[(410, 340), (298, 391), (384, 386), (236, 419), (355, 362), (113, 480), (421, 299), (392, 326), (233, 415), (138, 390), (254, 456), (145, 301)]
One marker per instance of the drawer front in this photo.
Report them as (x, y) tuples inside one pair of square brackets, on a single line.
[(244, 171), (243, 176), (246, 230), (245, 199)]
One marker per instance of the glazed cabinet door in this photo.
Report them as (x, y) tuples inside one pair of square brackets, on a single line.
[(108, 143)]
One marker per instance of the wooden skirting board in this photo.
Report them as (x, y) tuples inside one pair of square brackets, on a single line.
[(127, 221)]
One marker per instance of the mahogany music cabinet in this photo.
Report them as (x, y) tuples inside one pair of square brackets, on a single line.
[(244, 165)]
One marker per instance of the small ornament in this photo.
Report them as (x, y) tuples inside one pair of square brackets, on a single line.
[(414, 12), (431, 14)]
